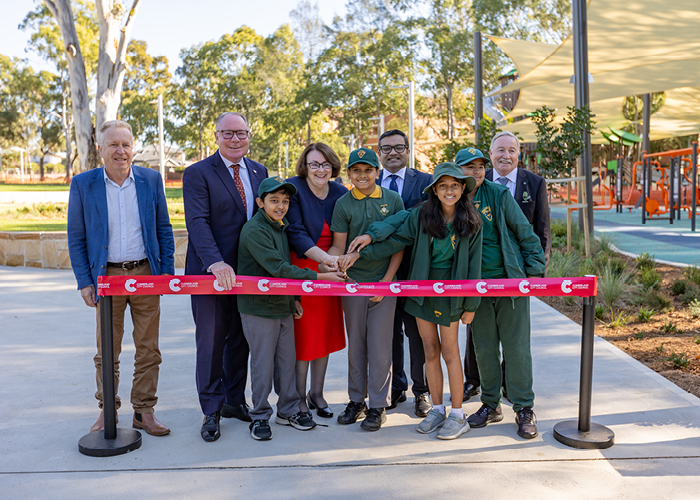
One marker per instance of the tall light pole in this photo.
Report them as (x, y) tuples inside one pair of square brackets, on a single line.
[(478, 88), (411, 119), (161, 137)]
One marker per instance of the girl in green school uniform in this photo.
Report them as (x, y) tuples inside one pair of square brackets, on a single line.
[(445, 233)]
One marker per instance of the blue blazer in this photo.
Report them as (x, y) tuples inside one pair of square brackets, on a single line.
[(413, 186), (214, 212), (307, 214), (535, 205), (88, 224)]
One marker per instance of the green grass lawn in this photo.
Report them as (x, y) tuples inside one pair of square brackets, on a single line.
[(36, 187), (178, 222)]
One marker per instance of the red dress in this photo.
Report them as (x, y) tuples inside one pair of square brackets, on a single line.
[(320, 331)]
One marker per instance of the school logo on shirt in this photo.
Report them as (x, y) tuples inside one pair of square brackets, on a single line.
[(437, 313), (453, 240), (383, 210), (477, 204), (487, 213)]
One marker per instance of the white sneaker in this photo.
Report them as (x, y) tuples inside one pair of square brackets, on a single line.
[(453, 427), (432, 422)]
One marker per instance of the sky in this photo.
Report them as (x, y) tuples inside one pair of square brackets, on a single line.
[(168, 26)]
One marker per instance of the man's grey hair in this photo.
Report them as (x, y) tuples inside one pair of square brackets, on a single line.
[(114, 124), (223, 115), (502, 134)]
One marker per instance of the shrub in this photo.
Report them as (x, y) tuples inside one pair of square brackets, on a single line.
[(678, 287), (599, 311), (696, 339), (660, 349), (639, 335), (653, 299), (692, 293), (670, 327), (650, 279), (692, 273), (620, 320), (563, 264), (614, 288), (679, 360), (645, 261), (644, 314), (694, 309)]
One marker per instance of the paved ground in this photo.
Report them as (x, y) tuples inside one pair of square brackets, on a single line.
[(47, 386), (673, 243)]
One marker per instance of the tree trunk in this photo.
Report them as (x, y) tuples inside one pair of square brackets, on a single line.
[(67, 122), (450, 113), (111, 62), (61, 10), (41, 165)]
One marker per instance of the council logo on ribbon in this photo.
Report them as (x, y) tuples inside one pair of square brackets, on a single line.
[(481, 287), (129, 285), (307, 286), (566, 286), (395, 287), (524, 286), (174, 284), (438, 287), (351, 287), (217, 286), (263, 285)]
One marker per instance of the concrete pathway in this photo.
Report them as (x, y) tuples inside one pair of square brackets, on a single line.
[(47, 386)]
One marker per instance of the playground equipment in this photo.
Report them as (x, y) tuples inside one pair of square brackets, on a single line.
[(671, 186)]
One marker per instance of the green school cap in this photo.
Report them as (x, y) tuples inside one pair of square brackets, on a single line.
[(364, 155), (452, 170), (273, 184), (468, 155)]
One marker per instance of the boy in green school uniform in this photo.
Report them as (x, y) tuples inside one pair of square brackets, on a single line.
[(267, 319), (368, 320)]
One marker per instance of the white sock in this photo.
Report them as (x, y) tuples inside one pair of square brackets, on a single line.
[(458, 411), (440, 408)]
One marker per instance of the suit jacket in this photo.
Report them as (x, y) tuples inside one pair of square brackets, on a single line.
[(412, 194), (413, 186), (214, 212), (88, 224), (535, 206)]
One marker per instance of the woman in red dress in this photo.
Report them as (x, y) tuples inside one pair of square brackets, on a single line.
[(320, 331)]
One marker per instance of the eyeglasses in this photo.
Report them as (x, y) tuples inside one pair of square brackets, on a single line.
[(317, 166), (399, 148), (228, 134)]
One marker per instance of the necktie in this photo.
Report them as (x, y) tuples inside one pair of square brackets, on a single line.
[(393, 185), (503, 180), (239, 185)]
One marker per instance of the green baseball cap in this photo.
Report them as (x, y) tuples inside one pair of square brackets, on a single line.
[(468, 155), (364, 155), (453, 170), (273, 184)]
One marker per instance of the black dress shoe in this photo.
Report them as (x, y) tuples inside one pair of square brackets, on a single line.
[(422, 405), (527, 423), (352, 412), (321, 412), (236, 411), (470, 390), (484, 415), (396, 398), (211, 431), (374, 419)]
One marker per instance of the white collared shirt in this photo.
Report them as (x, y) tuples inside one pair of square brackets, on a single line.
[(512, 179), (245, 179), (124, 236), (401, 177)]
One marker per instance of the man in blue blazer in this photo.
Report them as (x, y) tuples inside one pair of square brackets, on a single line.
[(219, 194), (118, 224), (409, 183)]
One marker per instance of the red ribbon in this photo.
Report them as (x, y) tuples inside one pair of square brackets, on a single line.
[(252, 285)]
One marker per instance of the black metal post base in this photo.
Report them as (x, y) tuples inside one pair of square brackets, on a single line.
[(95, 444), (598, 438)]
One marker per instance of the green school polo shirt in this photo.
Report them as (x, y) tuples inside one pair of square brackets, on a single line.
[(492, 265), (353, 214), (443, 250)]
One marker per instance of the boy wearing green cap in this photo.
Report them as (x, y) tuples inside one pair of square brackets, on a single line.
[(368, 320), (267, 319)]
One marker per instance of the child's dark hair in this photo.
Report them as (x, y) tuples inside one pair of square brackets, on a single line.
[(466, 222), (286, 189)]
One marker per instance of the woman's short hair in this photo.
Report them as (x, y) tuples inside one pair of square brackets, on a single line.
[(303, 171)]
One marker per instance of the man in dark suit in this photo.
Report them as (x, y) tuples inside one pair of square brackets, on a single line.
[(409, 183), (530, 192), (219, 195), (118, 224)]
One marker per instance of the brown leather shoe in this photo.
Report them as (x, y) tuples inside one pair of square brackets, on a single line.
[(149, 423), (100, 424)]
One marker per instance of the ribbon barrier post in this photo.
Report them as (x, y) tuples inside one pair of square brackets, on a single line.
[(581, 434), (585, 434), (110, 441)]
